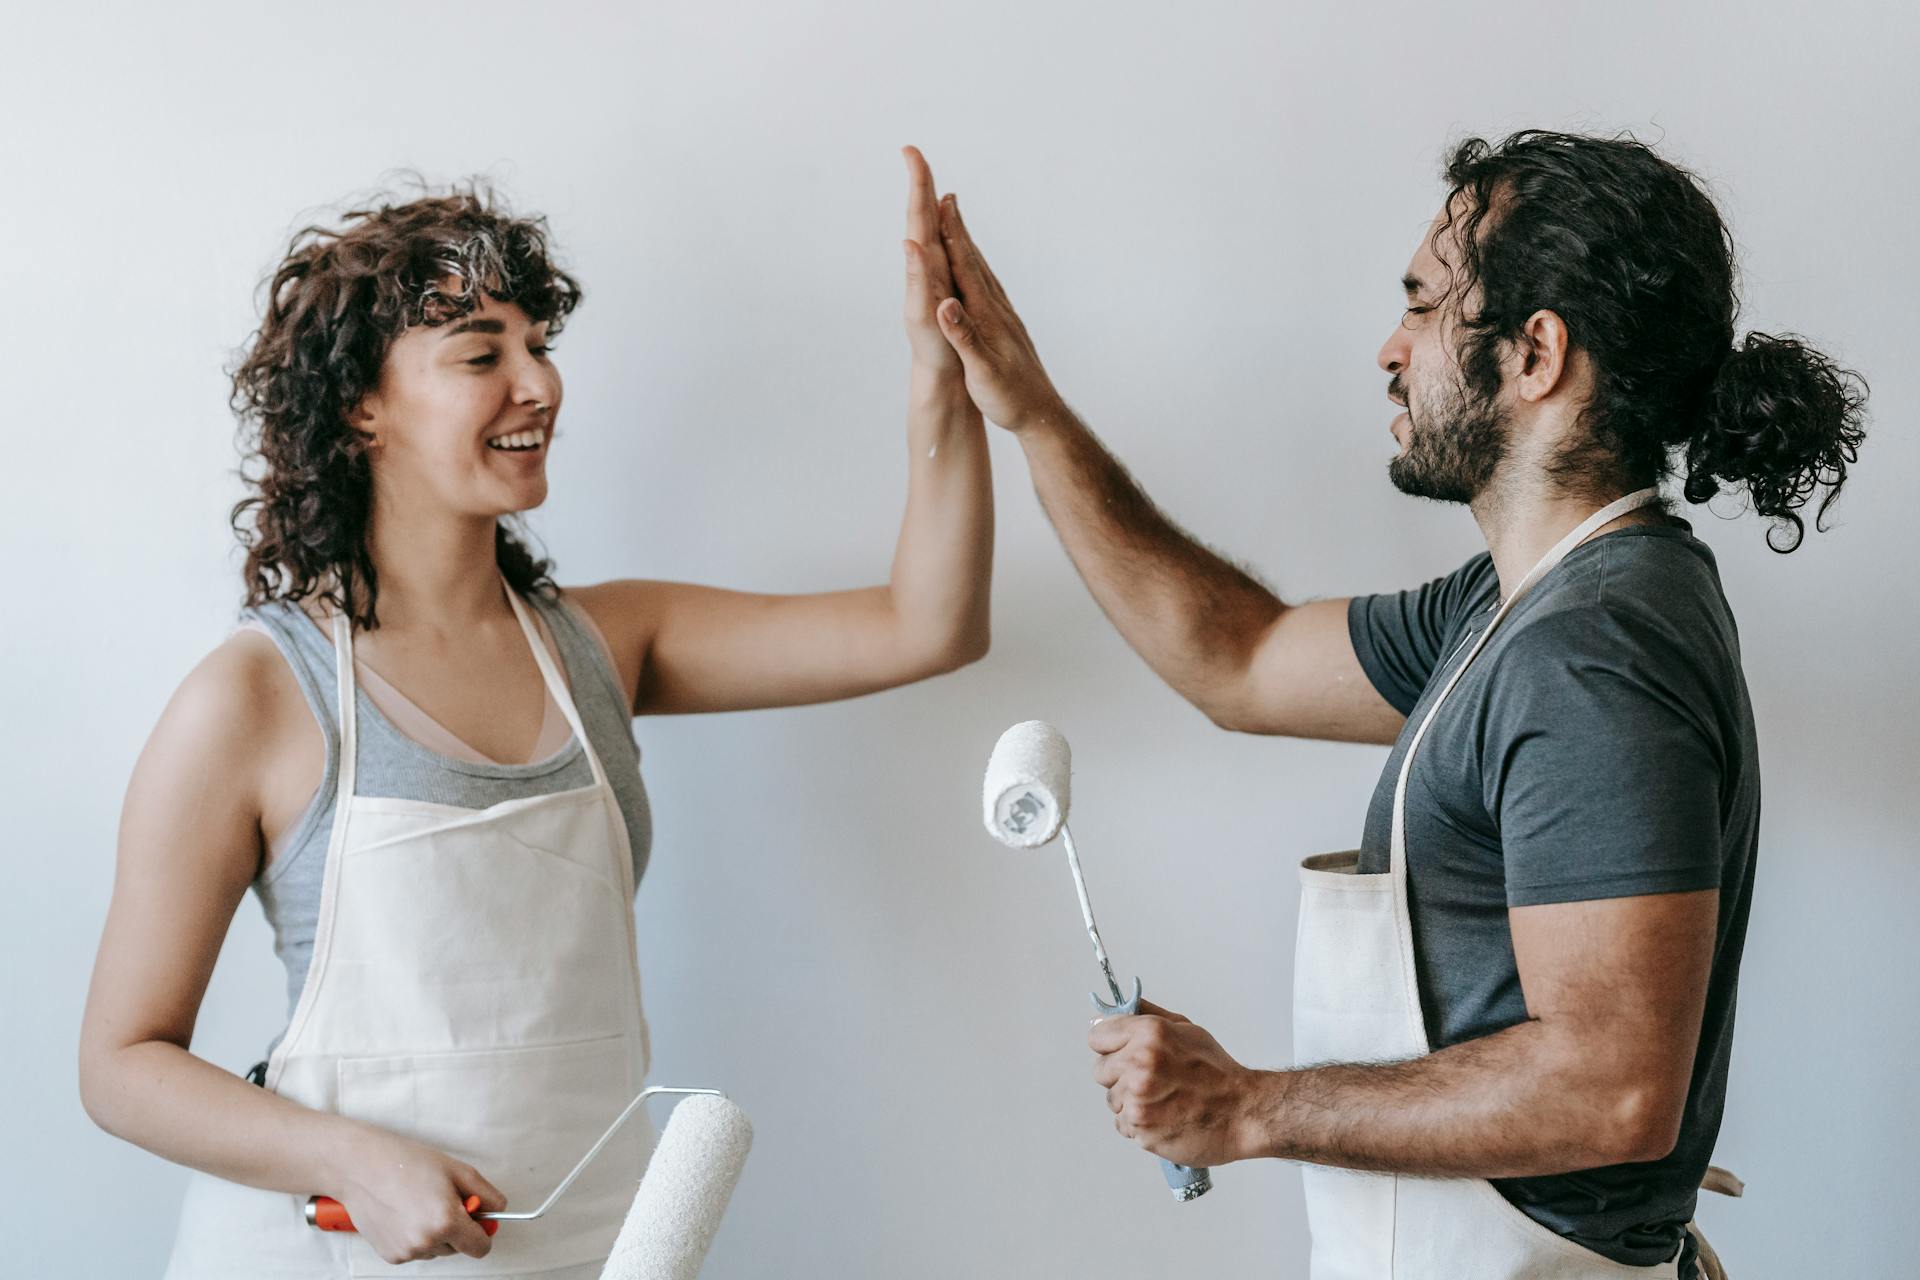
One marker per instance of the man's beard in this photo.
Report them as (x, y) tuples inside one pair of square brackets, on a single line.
[(1453, 451)]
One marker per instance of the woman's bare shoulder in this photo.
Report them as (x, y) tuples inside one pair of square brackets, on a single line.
[(237, 715)]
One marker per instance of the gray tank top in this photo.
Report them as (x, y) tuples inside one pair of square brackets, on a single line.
[(390, 763)]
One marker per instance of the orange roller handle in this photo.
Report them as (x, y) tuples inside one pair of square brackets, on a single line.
[(327, 1214)]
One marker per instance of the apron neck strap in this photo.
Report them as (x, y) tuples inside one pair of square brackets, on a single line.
[(344, 687), (556, 687), (549, 675), (1397, 838), (1577, 535)]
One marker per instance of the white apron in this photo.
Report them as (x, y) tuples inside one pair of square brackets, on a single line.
[(473, 987), (1356, 1000)]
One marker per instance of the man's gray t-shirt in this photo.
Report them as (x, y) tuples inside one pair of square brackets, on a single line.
[(1600, 746)]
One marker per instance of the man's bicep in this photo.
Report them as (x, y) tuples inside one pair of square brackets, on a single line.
[(1624, 981), (1304, 680)]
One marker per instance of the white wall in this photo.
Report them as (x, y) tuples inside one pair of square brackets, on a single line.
[(1204, 217)]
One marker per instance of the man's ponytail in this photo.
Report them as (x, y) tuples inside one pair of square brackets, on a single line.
[(1782, 421)]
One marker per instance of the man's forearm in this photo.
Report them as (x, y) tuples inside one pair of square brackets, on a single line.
[(1514, 1104), (1194, 616)]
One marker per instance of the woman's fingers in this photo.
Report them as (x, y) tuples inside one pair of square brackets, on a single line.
[(919, 290), (922, 224), (472, 1183)]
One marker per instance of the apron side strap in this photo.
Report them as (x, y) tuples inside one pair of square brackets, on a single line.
[(1721, 1181)]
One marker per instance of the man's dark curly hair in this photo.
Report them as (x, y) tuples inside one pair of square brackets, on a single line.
[(333, 309), (1629, 251)]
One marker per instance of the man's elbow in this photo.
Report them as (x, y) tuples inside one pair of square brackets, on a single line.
[(1228, 715), (1644, 1126)]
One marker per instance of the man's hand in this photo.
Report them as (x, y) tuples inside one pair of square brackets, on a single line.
[(1004, 374), (1172, 1088)]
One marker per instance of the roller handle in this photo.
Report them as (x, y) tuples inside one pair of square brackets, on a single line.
[(327, 1214), (1187, 1182)]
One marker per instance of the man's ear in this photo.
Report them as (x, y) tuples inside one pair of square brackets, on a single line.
[(1543, 348)]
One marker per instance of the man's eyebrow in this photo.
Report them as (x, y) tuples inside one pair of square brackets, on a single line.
[(475, 325)]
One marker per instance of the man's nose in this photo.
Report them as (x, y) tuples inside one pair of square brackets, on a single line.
[(1393, 352)]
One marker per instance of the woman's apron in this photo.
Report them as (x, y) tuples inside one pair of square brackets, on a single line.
[(473, 987), (1356, 999)]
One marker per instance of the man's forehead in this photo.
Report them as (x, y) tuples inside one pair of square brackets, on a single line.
[(1427, 269)]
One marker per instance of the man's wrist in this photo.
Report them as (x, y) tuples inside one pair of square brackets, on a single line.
[(1256, 1127), (1044, 417)]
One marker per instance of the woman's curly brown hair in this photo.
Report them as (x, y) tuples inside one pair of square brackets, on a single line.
[(333, 309)]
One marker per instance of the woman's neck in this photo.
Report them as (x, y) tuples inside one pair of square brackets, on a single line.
[(437, 572)]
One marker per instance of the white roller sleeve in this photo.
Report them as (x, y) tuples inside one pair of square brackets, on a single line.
[(685, 1190), (1027, 790)]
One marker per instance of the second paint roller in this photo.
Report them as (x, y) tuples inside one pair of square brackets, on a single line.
[(1028, 786)]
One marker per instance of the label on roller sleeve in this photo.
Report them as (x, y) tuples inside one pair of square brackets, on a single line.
[(1021, 810), (1026, 791)]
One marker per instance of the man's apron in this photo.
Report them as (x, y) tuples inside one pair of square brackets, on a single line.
[(473, 987), (1356, 1000)]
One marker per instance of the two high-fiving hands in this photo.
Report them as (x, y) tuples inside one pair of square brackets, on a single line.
[(959, 318)]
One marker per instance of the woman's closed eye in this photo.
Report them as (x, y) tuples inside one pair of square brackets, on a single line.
[(539, 353)]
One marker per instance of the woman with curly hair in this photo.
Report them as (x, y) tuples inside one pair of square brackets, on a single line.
[(418, 752)]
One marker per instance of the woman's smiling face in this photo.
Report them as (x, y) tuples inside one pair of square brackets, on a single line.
[(464, 413)]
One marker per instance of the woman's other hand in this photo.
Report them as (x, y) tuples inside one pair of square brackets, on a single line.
[(408, 1200)]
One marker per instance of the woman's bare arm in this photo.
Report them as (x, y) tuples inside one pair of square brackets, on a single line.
[(190, 843), (682, 647)]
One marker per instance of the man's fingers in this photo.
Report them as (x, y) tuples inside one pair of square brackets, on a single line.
[(957, 327), (977, 261), (1110, 1034), (1147, 1006), (969, 272)]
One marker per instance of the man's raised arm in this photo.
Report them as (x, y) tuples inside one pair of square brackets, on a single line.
[(1222, 640)]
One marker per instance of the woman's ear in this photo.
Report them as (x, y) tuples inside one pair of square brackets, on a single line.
[(361, 418)]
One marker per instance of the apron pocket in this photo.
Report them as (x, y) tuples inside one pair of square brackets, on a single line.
[(522, 1117)]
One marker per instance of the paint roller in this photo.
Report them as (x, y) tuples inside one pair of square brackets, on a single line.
[(689, 1180), (1028, 787), (681, 1198)]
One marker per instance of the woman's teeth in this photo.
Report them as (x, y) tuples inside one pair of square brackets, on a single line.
[(518, 440)]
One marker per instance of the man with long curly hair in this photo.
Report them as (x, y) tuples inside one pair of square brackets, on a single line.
[(1514, 1004)]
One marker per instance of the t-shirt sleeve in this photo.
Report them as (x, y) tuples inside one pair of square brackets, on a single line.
[(1601, 764), (1401, 636)]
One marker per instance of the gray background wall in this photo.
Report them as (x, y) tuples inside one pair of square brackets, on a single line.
[(1203, 215)]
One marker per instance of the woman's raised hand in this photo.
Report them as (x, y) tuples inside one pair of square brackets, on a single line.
[(929, 282)]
